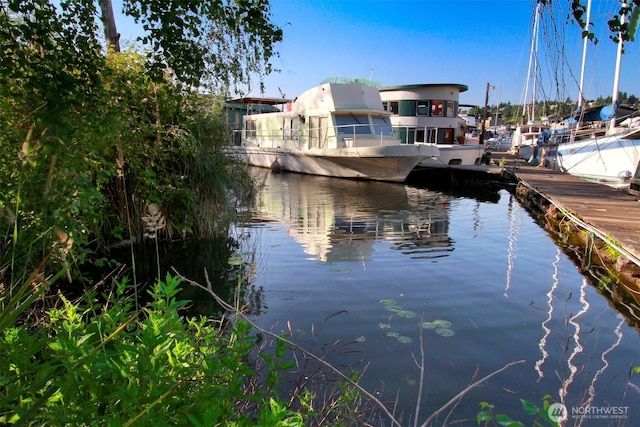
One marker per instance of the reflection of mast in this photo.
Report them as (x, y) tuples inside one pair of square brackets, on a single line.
[(543, 342), (577, 349), (514, 232), (477, 224), (618, 332)]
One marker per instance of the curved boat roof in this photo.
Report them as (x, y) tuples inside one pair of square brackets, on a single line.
[(461, 87), (351, 80)]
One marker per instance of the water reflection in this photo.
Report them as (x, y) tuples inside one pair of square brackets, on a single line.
[(481, 265), (339, 220), (550, 297), (515, 220)]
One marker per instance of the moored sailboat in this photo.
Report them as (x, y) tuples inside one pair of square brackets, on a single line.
[(530, 134), (604, 146)]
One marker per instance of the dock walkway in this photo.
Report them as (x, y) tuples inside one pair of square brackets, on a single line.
[(613, 214)]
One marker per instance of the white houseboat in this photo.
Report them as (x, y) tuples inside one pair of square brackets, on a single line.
[(427, 114), (338, 129)]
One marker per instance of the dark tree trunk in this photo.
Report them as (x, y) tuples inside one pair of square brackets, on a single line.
[(110, 31)]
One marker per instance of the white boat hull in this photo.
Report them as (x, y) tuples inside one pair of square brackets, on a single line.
[(380, 163), (608, 158), (456, 154), (525, 152), (500, 144)]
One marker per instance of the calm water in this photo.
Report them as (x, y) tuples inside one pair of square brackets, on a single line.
[(491, 283)]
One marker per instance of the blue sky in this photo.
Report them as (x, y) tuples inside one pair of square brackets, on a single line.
[(471, 42)]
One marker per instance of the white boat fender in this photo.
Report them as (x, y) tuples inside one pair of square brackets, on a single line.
[(624, 176)]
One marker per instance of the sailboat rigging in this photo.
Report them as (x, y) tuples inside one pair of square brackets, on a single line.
[(604, 143), (528, 132)]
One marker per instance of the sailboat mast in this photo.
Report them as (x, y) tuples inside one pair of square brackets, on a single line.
[(535, 81), (616, 76), (532, 58), (584, 56)]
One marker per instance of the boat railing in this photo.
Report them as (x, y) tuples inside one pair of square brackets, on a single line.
[(350, 135), (273, 138), (318, 137), (419, 134)]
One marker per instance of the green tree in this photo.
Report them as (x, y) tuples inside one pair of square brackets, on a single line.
[(221, 43), (91, 140), (627, 30)]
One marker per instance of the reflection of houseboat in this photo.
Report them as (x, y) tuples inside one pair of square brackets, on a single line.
[(338, 129), (427, 114), (339, 220)]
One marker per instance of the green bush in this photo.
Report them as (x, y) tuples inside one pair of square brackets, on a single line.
[(104, 363), (96, 149)]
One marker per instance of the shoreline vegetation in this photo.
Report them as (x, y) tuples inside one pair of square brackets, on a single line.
[(101, 146)]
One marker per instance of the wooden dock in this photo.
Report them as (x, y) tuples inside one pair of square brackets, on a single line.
[(610, 217), (613, 214)]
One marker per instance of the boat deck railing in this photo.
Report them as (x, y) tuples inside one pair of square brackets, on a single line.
[(344, 136)]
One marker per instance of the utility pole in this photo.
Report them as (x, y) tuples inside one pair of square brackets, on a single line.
[(484, 112)]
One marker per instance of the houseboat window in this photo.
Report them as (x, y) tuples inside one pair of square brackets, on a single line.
[(382, 125), (287, 127), (348, 124), (251, 129), (391, 106), (437, 108), (420, 135), (407, 108), (318, 131), (451, 108), (423, 108), (314, 131)]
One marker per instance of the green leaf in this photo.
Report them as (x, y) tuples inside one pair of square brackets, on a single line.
[(388, 301), (361, 339), (444, 332), (235, 260), (407, 314), (442, 323), (503, 420), (84, 338), (286, 365), (483, 416), (529, 407), (404, 340), (393, 334)]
